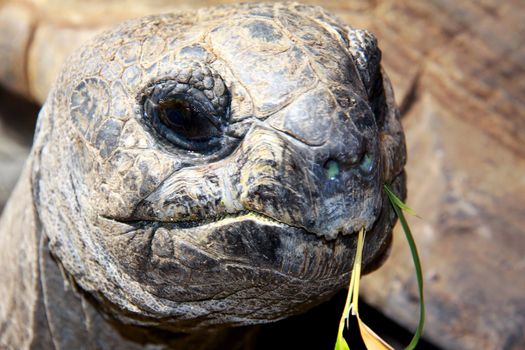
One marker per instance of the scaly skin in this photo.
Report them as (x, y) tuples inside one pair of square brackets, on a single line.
[(158, 227)]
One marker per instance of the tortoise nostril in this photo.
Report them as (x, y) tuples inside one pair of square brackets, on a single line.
[(332, 169), (366, 163)]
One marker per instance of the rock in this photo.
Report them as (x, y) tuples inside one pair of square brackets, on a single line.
[(465, 123)]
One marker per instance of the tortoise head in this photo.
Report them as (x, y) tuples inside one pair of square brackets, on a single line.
[(213, 169)]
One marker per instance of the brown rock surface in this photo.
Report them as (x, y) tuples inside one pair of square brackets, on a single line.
[(459, 69), (458, 72)]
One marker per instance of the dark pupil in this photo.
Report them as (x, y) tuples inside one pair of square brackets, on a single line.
[(181, 118)]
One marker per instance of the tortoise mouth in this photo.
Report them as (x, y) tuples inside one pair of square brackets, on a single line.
[(210, 222)]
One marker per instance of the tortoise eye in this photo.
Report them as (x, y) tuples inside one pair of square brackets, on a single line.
[(189, 121), (191, 115)]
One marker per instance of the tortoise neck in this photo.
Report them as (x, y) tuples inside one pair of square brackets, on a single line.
[(22, 316)]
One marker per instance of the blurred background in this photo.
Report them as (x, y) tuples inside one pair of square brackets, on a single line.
[(458, 70)]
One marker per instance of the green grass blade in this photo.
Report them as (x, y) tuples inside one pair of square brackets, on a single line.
[(349, 298), (357, 271), (397, 204), (341, 344)]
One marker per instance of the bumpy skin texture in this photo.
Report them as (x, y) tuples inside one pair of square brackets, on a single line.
[(255, 225)]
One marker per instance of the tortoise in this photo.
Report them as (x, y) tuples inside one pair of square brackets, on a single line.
[(457, 69), (198, 171)]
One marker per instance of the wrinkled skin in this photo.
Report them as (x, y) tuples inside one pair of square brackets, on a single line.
[(245, 208)]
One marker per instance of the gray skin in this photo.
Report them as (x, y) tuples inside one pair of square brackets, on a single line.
[(197, 171)]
